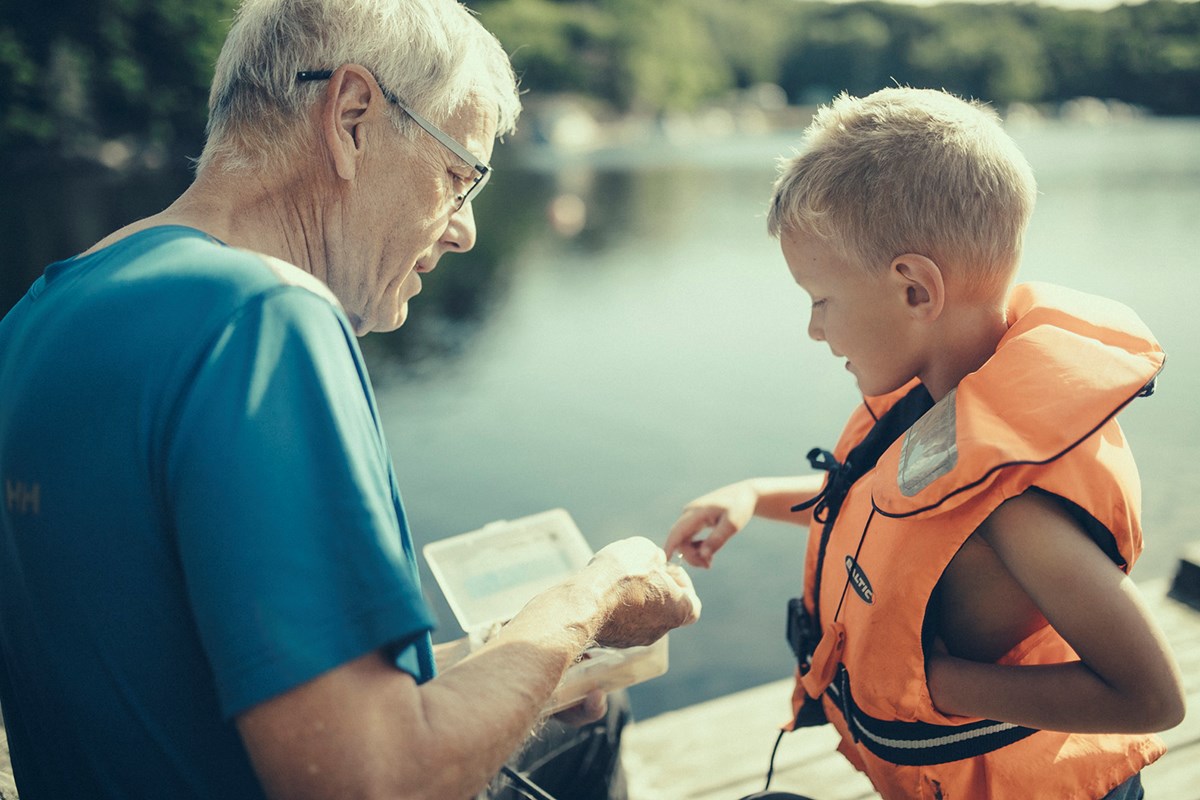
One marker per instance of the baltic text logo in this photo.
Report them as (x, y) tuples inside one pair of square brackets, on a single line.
[(858, 579)]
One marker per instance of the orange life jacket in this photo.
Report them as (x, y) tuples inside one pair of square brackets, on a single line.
[(1039, 415)]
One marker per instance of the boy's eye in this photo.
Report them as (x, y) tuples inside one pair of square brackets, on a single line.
[(818, 303)]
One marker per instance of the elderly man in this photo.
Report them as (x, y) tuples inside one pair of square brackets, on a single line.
[(207, 585)]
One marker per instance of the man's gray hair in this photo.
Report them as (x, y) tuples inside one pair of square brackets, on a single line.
[(433, 54)]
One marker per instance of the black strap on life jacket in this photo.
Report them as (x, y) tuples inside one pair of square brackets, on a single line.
[(899, 418), (920, 743), (828, 502), (804, 628)]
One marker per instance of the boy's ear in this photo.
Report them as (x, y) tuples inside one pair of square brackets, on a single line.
[(921, 280), (346, 104)]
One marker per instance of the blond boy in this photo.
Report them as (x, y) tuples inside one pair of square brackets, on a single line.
[(968, 623)]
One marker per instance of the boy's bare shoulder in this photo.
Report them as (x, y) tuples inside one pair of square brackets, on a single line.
[(1028, 563), (994, 592), (1027, 524), (982, 612)]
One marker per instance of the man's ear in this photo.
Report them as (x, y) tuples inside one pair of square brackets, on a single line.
[(921, 280), (350, 99)]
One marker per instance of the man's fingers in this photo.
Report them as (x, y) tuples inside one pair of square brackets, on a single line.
[(635, 554), (680, 576), (651, 599)]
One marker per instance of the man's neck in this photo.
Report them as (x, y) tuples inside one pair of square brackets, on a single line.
[(269, 217)]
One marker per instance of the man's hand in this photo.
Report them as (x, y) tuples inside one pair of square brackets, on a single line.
[(646, 596)]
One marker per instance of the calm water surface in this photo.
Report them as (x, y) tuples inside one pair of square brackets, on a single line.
[(662, 353)]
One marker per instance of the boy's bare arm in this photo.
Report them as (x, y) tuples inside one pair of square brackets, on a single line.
[(776, 496), (1126, 679), (727, 510)]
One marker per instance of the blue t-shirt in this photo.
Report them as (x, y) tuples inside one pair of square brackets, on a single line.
[(199, 514)]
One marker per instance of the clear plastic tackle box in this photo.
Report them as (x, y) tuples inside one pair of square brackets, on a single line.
[(489, 574)]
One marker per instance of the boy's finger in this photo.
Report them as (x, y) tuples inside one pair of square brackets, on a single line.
[(682, 532), (717, 537), (692, 555)]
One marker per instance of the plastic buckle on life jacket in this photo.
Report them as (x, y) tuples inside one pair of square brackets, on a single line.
[(802, 631), (825, 659)]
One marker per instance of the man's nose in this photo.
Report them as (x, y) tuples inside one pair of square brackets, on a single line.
[(460, 231)]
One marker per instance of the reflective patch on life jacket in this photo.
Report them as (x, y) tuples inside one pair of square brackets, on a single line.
[(920, 743), (930, 449)]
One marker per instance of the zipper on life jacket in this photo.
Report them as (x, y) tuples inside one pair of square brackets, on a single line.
[(861, 459), (804, 629), (826, 660)]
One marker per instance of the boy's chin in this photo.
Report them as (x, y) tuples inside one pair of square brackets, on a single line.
[(869, 388)]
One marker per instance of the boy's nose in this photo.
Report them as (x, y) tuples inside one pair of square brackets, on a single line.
[(815, 331)]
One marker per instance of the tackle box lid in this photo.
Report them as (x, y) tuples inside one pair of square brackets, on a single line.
[(489, 574)]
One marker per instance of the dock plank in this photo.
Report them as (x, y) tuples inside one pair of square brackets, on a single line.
[(736, 734), (1175, 775), (8, 787)]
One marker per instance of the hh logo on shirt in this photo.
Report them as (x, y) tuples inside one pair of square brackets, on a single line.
[(22, 498)]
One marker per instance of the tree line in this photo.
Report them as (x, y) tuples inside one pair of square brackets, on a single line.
[(83, 71), (651, 54)]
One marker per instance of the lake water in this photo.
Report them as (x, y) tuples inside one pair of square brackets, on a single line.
[(662, 352)]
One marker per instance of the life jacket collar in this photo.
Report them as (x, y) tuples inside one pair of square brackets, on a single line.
[(1002, 417)]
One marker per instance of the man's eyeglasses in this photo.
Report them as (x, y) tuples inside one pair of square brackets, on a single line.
[(483, 172)]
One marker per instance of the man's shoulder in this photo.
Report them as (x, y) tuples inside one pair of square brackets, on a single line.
[(287, 274), (185, 279), (191, 257)]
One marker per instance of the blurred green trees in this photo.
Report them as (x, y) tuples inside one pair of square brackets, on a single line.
[(663, 54), (77, 72)]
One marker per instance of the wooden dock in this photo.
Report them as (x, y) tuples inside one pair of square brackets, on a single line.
[(718, 750), (8, 789)]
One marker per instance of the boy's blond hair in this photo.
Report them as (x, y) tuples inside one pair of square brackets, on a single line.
[(910, 171)]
